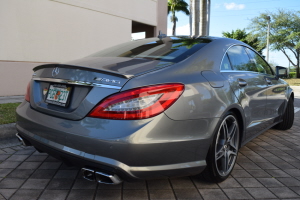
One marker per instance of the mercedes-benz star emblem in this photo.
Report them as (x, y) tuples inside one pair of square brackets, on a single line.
[(55, 72)]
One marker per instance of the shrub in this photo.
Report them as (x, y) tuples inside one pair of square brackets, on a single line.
[(292, 74)]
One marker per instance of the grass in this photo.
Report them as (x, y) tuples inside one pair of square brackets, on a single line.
[(8, 113), (293, 81)]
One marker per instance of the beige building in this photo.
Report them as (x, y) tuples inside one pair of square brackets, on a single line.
[(34, 32)]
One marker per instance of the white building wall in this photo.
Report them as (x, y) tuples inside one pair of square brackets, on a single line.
[(44, 31), (143, 11), (15, 76), (50, 31)]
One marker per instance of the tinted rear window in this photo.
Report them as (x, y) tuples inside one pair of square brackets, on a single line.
[(170, 49)]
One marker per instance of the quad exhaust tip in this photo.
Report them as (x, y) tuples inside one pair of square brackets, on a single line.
[(25, 143), (100, 177), (89, 174)]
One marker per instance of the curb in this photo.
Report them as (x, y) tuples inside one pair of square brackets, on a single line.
[(11, 99), (7, 131), (296, 90)]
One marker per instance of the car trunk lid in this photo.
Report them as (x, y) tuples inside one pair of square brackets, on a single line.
[(73, 89)]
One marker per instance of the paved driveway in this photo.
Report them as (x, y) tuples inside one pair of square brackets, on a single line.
[(267, 168)]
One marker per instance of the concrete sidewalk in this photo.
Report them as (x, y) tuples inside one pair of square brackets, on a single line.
[(296, 90), (11, 99)]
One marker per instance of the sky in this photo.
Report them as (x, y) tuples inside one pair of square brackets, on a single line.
[(229, 15)]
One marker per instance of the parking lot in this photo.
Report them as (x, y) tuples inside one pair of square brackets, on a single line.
[(268, 167)]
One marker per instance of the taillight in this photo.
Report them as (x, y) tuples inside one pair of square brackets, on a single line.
[(27, 95), (139, 103)]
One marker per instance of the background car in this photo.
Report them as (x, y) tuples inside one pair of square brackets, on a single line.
[(158, 107)]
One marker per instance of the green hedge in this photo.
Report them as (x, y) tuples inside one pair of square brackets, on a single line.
[(292, 74)]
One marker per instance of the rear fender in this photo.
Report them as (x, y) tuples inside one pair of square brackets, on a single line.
[(239, 112)]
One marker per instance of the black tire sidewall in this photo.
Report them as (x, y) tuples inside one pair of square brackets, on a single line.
[(214, 175)]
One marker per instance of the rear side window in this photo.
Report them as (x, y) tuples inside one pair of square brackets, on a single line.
[(226, 64), (170, 49), (240, 59), (261, 65)]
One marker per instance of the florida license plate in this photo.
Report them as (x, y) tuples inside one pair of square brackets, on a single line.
[(58, 94)]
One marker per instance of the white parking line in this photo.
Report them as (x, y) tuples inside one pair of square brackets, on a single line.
[(296, 109)]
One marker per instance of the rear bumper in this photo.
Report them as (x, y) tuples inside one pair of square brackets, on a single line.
[(152, 148), (81, 159)]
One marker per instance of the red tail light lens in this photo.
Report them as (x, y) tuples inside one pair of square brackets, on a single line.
[(27, 95), (139, 103)]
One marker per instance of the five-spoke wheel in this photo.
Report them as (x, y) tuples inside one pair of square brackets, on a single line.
[(224, 150), (226, 147)]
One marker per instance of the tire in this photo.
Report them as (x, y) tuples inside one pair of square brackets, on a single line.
[(223, 151), (287, 117)]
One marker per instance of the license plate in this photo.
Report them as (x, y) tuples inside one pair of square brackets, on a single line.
[(58, 94)]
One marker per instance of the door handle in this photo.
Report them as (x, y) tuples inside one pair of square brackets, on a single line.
[(242, 82), (269, 82)]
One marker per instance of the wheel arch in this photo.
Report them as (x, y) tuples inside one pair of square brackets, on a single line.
[(237, 111), (292, 96), (240, 119), (290, 93)]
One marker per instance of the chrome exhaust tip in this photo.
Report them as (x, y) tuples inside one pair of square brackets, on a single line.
[(107, 179), (88, 174), (100, 177), (21, 140)]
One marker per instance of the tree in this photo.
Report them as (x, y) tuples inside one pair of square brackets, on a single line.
[(293, 68), (191, 16), (199, 17), (176, 6), (284, 33), (245, 37), (204, 12)]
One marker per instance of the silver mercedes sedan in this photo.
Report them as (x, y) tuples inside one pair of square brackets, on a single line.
[(158, 107)]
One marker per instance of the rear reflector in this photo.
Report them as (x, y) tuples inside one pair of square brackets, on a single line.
[(139, 103), (27, 95)]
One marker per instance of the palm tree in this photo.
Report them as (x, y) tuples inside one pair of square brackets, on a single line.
[(175, 6), (200, 19), (191, 16), (204, 18)]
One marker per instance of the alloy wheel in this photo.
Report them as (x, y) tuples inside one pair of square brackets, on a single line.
[(226, 148)]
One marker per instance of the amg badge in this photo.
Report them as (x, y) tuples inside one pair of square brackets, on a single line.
[(107, 80)]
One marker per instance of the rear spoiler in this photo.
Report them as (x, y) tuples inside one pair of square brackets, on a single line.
[(127, 76)]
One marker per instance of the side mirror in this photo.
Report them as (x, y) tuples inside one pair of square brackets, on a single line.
[(281, 72)]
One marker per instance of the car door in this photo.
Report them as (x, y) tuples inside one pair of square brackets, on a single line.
[(276, 90), (248, 85)]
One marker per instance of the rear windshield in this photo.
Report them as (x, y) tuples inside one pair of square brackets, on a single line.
[(169, 49)]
